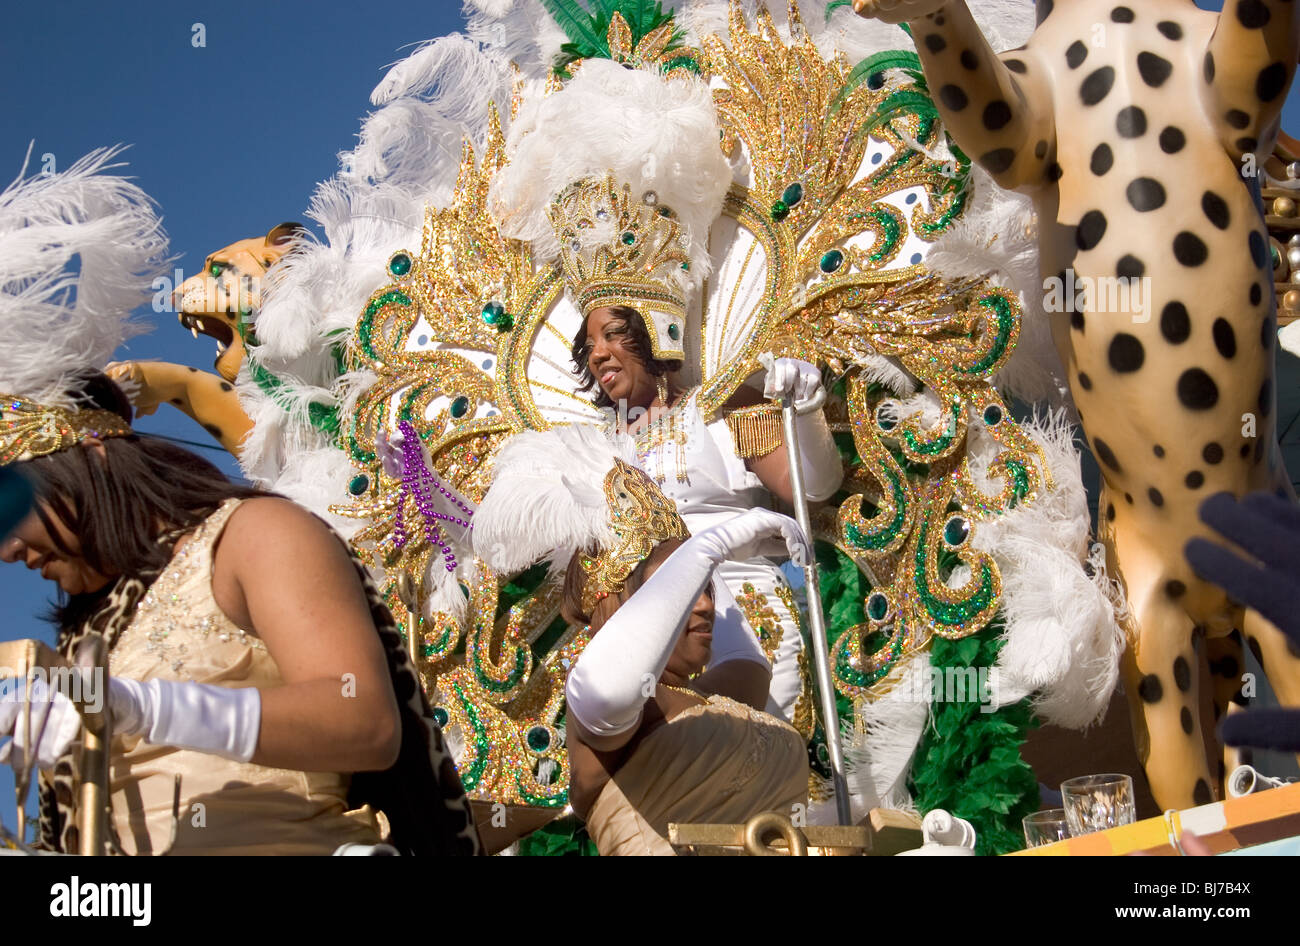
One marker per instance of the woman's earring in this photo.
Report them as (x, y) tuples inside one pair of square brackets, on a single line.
[(662, 384)]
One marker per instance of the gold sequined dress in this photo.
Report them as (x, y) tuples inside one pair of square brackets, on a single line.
[(719, 762), (227, 807)]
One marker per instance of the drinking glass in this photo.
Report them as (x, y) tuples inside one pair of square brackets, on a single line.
[(1045, 827), (1097, 802)]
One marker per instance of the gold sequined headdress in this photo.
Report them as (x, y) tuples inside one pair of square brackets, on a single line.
[(79, 250), (573, 489), (621, 249), (29, 429)]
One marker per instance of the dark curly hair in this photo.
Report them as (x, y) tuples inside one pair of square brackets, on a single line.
[(631, 324)]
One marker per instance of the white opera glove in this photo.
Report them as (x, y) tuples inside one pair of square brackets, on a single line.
[(619, 668), (818, 458), (55, 722), (220, 721)]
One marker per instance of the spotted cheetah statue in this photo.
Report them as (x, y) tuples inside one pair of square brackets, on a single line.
[(1135, 130), (210, 303)]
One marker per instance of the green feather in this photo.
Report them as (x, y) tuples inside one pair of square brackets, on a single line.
[(576, 22)]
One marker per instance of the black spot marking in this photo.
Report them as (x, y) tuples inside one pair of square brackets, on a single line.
[(1125, 353), (1131, 122), (1016, 65), (1076, 320), (1175, 588), (1189, 249), (195, 370), (969, 60), (177, 400), (1104, 453), (953, 97), (1265, 401), (1244, 451), (1170, 30), (1256, 294), (1097, 85), (1237, 118), (1159, 451), (1040, 149), (1121, 15), (1076, 54), (1212, 453), (227, 386), (1110, 511), (1185, 719), (997, 160), (1247, 145), (1201, 794), (1091, 229), (1271, 82), (1130, 267), (1216, 209), (1172, 140), (935, 43), (1194, 479), (1128, 498), (213, 429), (1197, 390), (1085, 382), (1054, 172), (1145, 194), (1253, 14), (1150, 689), (1182, 674), (996, 115), (1175, 323), (1154, 69), (1102, 160), (1258, 249), (1156, 497), (1209, 67), (1224, 338)]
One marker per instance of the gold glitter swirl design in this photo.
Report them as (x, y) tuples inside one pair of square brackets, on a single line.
[(762, 619), (29, 429)]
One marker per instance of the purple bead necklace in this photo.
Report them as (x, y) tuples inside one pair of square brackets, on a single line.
[(417, 482)]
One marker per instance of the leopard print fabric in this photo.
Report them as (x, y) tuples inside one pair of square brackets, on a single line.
[(421, 794)]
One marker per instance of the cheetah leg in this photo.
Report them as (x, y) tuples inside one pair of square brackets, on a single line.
[(1224, 666), (996, 117), (207, 398), (1248, 66), (1161, 676)]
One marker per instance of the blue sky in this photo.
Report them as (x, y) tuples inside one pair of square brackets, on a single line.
[(230, 138)]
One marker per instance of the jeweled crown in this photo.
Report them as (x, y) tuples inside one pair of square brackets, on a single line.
[(29, 430), (641, 516), (621, 249)]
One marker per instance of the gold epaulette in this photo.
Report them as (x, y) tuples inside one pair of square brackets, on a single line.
[(755, 431)]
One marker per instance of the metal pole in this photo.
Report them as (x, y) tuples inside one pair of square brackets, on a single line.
[(816, 620)]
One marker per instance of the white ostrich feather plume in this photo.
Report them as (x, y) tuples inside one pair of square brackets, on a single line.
[(78, 251)]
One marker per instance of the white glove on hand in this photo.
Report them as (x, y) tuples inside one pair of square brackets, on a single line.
[(795, 379), (221, 721), (619, 668), (54, 723)]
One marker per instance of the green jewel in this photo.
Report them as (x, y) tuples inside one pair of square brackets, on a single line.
[(459, 407), (440, 716), (992, 415), (399, 264), (831, 261), (883, 422), (792, 194), (539, 738), (664, 211), (492, 312), (780, 210), (628, 238), (674, 332), (1277, 258), (686, 266), (877, 606), (216, 268), (358, 484), (956, 531)]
